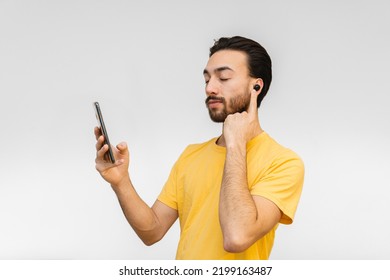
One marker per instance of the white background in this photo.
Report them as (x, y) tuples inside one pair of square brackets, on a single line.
[(143, 61)]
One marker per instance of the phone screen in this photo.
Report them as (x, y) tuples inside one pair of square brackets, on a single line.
[(99, 117)]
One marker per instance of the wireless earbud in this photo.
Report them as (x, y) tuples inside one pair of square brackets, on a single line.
[(256, 87)]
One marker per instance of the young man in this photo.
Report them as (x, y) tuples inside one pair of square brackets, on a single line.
[(229, 193)]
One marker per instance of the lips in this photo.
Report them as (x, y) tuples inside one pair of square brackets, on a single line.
[(213, 102)]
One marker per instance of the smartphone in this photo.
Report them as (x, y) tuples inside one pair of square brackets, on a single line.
[(98, 112)]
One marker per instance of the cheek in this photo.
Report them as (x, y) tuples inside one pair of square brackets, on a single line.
[(231, 90), (236, 92), (239, 103)]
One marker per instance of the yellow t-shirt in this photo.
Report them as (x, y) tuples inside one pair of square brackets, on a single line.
[(193, 188)]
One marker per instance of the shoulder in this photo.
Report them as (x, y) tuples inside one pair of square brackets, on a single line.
[(194, 148), (274, 156), (280, 152), (288, 160), (287, 156)]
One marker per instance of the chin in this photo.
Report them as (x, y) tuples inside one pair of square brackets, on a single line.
[(218, 117)]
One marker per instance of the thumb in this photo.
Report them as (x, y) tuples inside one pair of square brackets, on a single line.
[(122, 148), (124, 153)]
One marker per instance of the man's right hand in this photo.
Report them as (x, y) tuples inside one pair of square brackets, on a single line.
[(114, 173), (150, 223)]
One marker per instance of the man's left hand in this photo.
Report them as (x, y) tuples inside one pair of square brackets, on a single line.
[(239, 128)]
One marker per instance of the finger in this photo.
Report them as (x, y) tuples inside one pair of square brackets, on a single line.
[(99, 143), (100, 153), (97, 132), (252, 110)]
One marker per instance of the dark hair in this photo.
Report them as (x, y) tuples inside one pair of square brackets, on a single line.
[(259, 62)]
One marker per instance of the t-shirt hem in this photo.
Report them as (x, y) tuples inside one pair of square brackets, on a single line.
[(167, 203), (286, 218)]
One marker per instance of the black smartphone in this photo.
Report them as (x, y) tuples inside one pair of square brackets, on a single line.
[(99, 117)]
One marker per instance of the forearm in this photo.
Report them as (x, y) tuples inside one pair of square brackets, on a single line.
[(237, 209), (139, 215)]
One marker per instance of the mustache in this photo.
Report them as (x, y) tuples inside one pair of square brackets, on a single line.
[(215, 98)]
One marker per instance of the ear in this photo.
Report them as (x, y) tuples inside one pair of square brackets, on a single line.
[(259, 81)]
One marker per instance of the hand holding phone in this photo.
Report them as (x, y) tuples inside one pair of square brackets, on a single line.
[(99, 117)]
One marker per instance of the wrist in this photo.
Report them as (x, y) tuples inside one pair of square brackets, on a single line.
[(122, 186), (236, 148)]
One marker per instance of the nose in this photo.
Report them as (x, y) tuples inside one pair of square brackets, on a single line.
[(211, 87)]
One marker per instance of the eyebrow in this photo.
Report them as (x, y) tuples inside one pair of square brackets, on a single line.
[(219, 69)]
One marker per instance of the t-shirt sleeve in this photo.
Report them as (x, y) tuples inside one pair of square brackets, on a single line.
[(168, 194), (282, 184)]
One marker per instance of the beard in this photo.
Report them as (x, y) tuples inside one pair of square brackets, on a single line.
[(238, 104)]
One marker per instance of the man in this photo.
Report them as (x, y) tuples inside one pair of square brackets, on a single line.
[(229, 193)]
